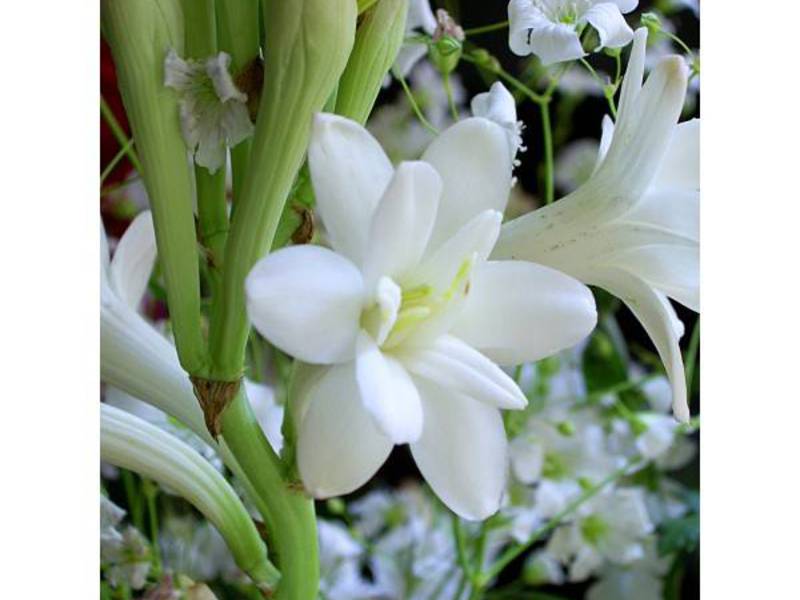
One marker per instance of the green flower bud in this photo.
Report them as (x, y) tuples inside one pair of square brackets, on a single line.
[(652, 21), (445, 53), (566, 428), (140, 35), (378, 39)]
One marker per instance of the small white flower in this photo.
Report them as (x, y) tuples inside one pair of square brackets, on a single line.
[(405, 318), (633, 228), (641, 580), (213, 111), (127, 559), (551, 29), (575, 164), (612, 526), (659, 436)]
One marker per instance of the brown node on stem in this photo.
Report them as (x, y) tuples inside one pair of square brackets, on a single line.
[(250, 80), (214, 397), (305, 231)]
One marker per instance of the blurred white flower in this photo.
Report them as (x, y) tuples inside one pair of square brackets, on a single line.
[(611, 526), (196, 549), (542, 568), (126, 559), (406, 318), (111, 515), (659, 436), (420, 19), (633, 228), (551, 29), (339, 558), (575, 164), (213, 111), (642, 580)]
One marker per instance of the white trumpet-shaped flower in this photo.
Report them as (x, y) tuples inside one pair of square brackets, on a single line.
[(212, 109), (633, 227), (405, 319), (550, 29), (129, 442)]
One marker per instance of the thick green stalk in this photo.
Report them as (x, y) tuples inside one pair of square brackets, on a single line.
[(140, 34), (378, 39), (212, 211), (237, 34), (289, 512), (310, 41)]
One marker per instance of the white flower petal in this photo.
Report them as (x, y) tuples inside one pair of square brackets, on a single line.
[(673, 210), (350, 172), (462, 452), (455, 365), (268, 413), (402, 222), (654, 312), (476, 238), (387, 392), (551, 311), (498, 105), (681, 165), (634, 72), (133, 260), (307, 301), (339, 447), (626, 6), (607, 19), (675, 270), (420, 16), (474, 162)]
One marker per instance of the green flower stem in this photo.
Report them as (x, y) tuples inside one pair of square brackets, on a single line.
[(140, 34), (237, 34), (448, 89), (310, 41), (150, 490), (461, 550), (547, 140), (691, 356), (200, 27), (517, 549), (486, 28), (289, 512), (115, 161)]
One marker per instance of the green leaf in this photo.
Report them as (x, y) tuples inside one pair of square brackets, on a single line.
[(680, 535)]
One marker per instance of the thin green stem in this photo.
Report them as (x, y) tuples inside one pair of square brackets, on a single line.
[(518, 549), (507, 77), (547, 141), (133, 498), (461, 548), (151, 495), (691, 356), (415, 107), (119, 133), (486, 28), (608, 93), (115, 161), (448, 88)]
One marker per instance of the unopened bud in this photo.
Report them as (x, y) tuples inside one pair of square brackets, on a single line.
[(652, 21)]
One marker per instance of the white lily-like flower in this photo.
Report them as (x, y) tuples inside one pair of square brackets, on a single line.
[(550, 29), (213, 111), (633, 228), (405, 316), (129, 442)]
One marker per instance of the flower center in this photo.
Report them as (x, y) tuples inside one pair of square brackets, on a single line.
[(398, 312)]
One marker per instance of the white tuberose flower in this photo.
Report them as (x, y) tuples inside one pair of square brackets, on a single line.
[(550, 29), (407, 315), (633, 228), (213, 110)]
